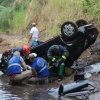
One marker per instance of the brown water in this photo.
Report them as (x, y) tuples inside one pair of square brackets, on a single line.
[(37, 91), (27, 92)]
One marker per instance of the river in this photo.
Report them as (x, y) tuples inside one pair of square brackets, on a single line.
[(26, 92), (39, 91)]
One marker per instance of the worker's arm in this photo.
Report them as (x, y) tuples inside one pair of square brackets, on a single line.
[(64, 55), (49, 54), (34, 72), (23, 63)]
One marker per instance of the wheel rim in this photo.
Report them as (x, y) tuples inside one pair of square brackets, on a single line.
[(68, 30)]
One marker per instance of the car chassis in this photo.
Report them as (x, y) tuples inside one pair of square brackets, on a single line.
[(76, 38)]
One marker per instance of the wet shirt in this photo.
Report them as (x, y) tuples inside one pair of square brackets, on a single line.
[(40, 66)]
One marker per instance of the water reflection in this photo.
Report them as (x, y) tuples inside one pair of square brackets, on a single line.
[(5, 94)]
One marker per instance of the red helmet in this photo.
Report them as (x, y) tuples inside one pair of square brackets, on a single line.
[(26, 49), (6, 52)]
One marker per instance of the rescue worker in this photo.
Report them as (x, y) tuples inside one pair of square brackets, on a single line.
[(39, 67), (17, 69), (57, 54), (24, 51)]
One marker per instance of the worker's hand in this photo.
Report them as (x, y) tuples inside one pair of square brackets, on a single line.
[(61, 60), (24, 69), (63, 57), (56, 63), (53, 60), (34, 72), (28, 67)]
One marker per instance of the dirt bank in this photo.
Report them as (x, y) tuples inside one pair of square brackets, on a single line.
[(10, 41)]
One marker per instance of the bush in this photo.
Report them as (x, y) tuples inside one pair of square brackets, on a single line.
[(6, 15)]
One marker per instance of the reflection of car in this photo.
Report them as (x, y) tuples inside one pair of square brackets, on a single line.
[(75, 37)]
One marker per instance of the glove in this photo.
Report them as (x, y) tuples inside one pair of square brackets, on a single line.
[(53, 59), (63, 58)]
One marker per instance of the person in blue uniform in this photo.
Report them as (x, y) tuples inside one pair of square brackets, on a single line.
[(7, 55), (17, 69), (39, 66)]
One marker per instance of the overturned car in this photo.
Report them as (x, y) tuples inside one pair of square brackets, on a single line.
[(76, 37)]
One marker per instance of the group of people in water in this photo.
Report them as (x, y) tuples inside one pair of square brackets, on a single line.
[(19, 71)]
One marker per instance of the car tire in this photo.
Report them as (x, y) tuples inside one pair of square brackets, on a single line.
[(69, 30), (81, 22)]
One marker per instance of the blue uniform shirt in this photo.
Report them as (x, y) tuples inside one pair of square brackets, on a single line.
[(40, 66), (14, 66)]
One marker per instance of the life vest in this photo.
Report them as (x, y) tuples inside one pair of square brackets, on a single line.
[(14, 66), (40, 66)]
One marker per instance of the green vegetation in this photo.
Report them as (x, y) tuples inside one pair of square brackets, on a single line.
[(6, 15), (16, 15)]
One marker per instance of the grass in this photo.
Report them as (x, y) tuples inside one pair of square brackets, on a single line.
[(50, 14), (19, 20)]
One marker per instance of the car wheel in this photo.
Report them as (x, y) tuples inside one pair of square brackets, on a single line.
[(69, 30), (81, 22)]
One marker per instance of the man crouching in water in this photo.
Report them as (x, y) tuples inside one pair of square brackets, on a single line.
[(17, 70), (39, 68)]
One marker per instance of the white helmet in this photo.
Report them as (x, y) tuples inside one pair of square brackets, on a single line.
[(32, 55)]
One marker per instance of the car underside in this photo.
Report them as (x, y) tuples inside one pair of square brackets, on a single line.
[(76, 38)]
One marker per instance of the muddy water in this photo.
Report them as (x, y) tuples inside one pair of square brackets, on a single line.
[(28, 92), (37, 91)]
